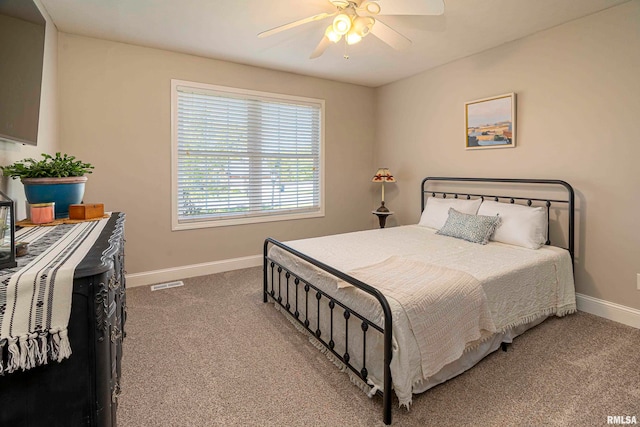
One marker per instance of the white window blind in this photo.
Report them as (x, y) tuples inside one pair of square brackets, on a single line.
[(245, 155)]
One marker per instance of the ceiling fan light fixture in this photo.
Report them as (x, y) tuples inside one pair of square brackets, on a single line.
[(332, 35), (362, 25), (352, 37), (372, 8), (342, 24)]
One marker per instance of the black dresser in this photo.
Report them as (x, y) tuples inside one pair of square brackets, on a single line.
[(82, 390)]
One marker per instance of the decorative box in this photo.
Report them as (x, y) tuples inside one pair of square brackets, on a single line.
[(86, 211), (7, 232)]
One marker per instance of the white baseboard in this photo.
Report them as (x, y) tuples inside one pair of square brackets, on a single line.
[(609, 310), (186, 271)]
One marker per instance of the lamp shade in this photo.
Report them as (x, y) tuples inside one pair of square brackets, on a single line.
[(362, 25), (383, 175), (342, 24), (332, 35), (353, 37)]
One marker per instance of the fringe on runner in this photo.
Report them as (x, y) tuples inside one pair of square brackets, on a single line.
[(36, 349)]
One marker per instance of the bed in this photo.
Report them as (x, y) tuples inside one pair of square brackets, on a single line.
[(406, 308)]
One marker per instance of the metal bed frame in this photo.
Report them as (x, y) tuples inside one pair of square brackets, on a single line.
[(286, 285)]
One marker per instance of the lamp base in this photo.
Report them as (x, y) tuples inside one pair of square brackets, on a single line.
[(382, 208)]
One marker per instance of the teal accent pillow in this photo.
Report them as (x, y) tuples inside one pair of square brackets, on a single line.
[(472, 228)]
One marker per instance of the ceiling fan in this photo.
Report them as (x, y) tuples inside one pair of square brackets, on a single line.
[(354, 19)]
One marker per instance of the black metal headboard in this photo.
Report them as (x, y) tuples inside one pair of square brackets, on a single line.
[(569, 200)]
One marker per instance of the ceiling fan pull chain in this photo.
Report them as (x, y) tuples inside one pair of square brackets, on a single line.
[(346, 51)]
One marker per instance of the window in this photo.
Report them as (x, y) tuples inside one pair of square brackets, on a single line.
[(242, 156)]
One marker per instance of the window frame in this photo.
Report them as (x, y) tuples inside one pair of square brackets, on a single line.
[(176, 225)]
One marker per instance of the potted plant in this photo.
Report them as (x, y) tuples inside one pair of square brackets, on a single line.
[(58, 179)]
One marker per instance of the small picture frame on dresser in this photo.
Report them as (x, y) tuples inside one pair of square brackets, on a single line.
[(491, 122)]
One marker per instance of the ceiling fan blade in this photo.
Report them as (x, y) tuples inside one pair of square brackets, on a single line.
[(390, 36), (411, 7), (322, 46), (293, 24)]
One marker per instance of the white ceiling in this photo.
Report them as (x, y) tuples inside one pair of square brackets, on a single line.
[(227, 30)]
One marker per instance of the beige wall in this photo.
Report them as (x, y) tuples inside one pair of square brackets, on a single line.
[(578, 88), (48, 126), (115, 113), (578, 101)]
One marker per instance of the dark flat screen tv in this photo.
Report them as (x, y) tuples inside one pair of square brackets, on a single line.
[(22, 32)]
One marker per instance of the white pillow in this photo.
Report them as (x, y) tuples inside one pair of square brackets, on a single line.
[(524, 226), (436, 211)]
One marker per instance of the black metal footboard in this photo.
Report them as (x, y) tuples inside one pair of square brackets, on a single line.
[(286, 289)]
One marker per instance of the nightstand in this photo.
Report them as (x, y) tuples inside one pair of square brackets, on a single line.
[(382, 217)]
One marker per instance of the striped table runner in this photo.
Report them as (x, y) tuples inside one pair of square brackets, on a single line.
[(35, 296)]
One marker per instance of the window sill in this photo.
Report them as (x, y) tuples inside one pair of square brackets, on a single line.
[(179, 226)]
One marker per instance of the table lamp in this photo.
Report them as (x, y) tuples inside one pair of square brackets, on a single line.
[(383, 175)]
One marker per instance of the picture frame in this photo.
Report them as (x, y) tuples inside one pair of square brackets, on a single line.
[(490, 122)]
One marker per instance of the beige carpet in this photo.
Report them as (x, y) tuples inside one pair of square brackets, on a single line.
[(212, 354)]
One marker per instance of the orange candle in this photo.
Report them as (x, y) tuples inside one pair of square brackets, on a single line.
[(41, 213)]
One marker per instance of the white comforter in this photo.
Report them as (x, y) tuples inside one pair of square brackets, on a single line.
[(520, 285)]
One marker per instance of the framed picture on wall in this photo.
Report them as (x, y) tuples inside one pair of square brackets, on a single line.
[(491, 122)]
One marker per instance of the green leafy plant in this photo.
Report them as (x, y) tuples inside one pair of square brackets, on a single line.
[(60, 166)]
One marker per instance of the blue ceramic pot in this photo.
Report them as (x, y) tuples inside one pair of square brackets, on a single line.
[(62, 191)]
